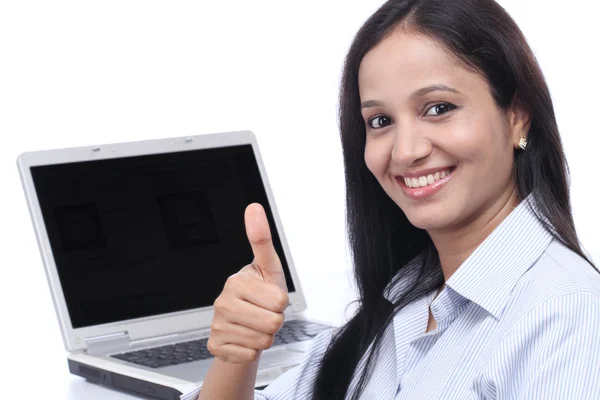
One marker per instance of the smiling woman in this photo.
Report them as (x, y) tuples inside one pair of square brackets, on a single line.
[(472, 283), (437, 119)]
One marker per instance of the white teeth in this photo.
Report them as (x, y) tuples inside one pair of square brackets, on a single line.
[(426, 180)]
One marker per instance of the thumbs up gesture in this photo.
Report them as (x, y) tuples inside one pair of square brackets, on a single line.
[(249, 310)]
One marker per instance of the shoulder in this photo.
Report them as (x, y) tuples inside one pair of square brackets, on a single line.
[(549, 345), (559, 277), (572, 269), (559, 272)]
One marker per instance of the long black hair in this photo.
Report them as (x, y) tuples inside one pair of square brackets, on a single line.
[(481, 35)]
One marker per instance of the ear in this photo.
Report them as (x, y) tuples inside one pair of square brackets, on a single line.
[(519, 122)]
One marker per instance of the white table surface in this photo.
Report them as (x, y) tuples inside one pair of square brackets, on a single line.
[(35, 364)]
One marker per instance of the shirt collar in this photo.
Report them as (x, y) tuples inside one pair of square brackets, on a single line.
[(499, 261)]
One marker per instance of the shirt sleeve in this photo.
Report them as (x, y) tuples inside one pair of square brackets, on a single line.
[(552, 353), (297, 382)]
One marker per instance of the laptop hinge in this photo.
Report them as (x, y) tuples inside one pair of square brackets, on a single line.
[(106, 344)]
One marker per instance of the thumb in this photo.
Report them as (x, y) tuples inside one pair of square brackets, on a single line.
[(265, 257)]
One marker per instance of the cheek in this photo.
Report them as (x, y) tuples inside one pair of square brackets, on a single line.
[(375, 157), (479, 145), (472, 138)]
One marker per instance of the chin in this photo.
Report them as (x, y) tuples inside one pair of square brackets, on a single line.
[(426, 221)]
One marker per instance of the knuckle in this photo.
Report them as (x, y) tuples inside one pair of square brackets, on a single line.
[(216, 327), (237, 279), (266, 341), (251, 355), (218, 302), (227, 284), (231, 281), (211, 347), (222, 304), (282, 301), (274, 323)]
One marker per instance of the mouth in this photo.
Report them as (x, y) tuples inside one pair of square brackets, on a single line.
[(425, 180), (424, 187)]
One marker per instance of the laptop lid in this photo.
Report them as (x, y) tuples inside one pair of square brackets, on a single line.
[(140, 237)]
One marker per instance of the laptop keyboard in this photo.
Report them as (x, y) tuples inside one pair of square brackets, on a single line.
[(195, 350)]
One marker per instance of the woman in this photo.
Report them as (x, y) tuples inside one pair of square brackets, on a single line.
[(472, 283)]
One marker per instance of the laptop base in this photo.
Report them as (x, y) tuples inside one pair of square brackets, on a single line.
[(126, 383)]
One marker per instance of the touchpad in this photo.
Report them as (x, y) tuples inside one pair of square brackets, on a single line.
[(279, 356)]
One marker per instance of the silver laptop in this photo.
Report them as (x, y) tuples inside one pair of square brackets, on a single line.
[(137, 240)]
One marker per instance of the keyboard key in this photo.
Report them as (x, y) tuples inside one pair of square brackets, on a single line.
[(195, 350)]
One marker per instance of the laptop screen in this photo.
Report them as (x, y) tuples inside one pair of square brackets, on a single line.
[(147, 235)]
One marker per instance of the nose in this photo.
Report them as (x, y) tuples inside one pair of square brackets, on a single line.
[(410, 145)]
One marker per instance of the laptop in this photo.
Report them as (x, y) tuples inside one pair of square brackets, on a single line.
[(137, 240)]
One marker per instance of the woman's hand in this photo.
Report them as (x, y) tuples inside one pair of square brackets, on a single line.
[(249, 310)]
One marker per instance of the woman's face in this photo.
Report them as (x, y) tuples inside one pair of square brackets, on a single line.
[(435, 140)]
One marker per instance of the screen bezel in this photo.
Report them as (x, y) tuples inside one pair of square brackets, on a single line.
[(75, 339)]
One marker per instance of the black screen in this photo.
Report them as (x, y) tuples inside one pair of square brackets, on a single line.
[(147, 235)]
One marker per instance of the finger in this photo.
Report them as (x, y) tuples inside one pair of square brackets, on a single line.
[(233, 353), (259, 236), (244, 313), (228, 333), (263, 294)]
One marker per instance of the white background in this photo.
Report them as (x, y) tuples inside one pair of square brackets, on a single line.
[(75, 73)]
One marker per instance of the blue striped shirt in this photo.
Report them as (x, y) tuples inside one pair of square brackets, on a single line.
[(519, 319)]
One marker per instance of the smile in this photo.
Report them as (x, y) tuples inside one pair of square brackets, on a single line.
[(427, 180), (425, 186)]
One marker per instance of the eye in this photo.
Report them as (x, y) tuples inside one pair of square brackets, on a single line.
[(379, 122), (440, 109)]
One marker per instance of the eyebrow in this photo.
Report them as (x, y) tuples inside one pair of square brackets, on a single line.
[(417, 93)]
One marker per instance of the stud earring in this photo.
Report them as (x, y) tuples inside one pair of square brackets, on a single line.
[(523, 143)]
